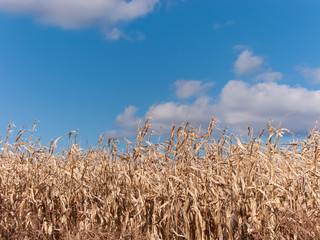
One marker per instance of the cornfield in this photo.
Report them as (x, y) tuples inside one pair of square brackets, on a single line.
[(189, 186)]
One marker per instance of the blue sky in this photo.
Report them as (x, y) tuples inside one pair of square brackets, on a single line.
[(102, 66)]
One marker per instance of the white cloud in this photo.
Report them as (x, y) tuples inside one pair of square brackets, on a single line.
[(240, 104), (73, 14), (129, 113), (312, 74), (168, 113), (217, 26), (164, 115), (244, 104), (128, 123), (269, 77), (189, 88), (247, 64)]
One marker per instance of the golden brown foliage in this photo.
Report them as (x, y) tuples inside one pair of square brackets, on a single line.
[(188, 187)]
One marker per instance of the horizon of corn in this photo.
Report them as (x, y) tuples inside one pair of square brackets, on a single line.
[(190, 186)]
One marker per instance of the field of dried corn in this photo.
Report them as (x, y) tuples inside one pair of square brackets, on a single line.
[(190, 186)]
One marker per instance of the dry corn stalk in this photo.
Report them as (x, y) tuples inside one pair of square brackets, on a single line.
[(189, 187)]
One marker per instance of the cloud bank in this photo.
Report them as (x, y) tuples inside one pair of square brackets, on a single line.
[(75, 14), (242, 103), (238, 105)]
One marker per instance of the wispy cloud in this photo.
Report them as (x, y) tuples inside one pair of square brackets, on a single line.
[(75, 14), (172, 3), (217, 25), (115, 34), (268, 77), (312, 74)]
